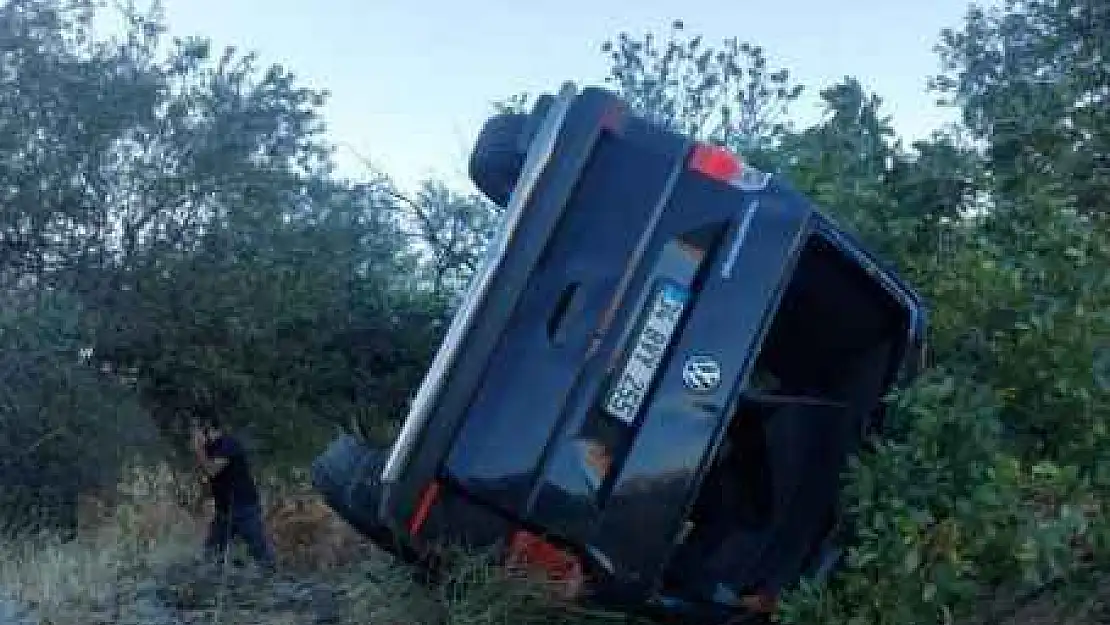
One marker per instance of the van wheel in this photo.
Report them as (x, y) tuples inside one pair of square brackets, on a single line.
[(348, 475), (498, 156)]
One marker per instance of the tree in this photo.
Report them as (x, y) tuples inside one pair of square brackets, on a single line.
[(65, 427), (187, 196), (1031, 80), (728, 95), (1010, 452), (845, 164), (453, 229), (1030, 83)]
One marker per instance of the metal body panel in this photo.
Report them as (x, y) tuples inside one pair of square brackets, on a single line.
[(573, 126), (681, 429), (522, 400)]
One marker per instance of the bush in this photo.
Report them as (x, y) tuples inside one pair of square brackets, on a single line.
[(65, 428), (993, 485), (941, 518)]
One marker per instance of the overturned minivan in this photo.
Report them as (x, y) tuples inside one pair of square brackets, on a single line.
[(654, 382)]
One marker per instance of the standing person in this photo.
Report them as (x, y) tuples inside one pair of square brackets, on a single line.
[(223, 464)]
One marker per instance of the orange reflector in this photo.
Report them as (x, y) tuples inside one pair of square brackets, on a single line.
[(529, 553), (423, 508), (715, 162)]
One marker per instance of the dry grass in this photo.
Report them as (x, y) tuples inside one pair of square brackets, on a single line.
[(135, 561)]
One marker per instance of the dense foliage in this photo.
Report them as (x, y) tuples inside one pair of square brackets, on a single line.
[(172, 231)]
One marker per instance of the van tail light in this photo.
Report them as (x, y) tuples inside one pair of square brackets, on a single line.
[(531, 555), (715, 162), (424, 506)]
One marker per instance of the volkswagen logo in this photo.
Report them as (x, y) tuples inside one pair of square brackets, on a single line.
[(701, 374)]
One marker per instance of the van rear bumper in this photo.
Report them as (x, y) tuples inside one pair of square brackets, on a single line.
[(348, 475)]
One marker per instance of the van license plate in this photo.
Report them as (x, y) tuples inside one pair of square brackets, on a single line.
[(646, 355)]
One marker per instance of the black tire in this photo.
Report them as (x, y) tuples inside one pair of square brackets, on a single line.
[(348, 476), (498, 156)]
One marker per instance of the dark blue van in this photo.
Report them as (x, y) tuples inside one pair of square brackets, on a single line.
[(658, 374)]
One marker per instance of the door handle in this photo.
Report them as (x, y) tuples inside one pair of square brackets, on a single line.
[(565, 308)]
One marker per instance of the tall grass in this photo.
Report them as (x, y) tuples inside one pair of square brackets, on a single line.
[(136, 560)]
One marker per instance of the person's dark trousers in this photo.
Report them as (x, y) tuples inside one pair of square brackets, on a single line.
[(243, 522)]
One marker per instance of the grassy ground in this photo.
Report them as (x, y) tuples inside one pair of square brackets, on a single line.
[(136, 562)]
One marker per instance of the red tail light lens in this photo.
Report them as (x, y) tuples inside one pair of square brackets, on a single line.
[(529, 553), (715, 162)]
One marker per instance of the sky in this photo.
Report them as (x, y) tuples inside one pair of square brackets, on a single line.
[(411, 83)]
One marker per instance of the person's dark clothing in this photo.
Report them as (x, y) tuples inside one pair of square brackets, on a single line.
[(244, 522), (238, 506), (234, 486)]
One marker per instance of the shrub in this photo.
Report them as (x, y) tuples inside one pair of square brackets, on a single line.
[(65, 428)]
